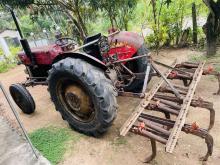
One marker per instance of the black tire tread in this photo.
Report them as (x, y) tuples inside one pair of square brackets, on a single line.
[(98, 83), (30, 104), (142, 63)]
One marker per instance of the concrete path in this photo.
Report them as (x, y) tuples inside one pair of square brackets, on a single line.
[(14, 150)]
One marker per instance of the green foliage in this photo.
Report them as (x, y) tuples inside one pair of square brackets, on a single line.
[(14, 51), (1, 52), (119, 12), (161, 35), (5, 66), (85, 17), (16, 3), (27, 25), (52, 142), (170, 20), (10, 61)]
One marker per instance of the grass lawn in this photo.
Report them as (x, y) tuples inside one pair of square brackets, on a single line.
[(53, 142)]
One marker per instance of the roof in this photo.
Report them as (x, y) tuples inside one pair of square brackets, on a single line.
[(9, 33)]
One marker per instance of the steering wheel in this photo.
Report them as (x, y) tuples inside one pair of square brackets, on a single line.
[(66, 43)]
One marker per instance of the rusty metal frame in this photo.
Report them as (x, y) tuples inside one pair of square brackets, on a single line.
[(157, 125), (184, 110), (144, 103), (174, 100)]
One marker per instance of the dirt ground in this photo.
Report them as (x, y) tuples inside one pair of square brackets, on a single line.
[(132, 149)]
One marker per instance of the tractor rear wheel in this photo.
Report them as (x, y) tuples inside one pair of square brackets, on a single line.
[(83, 95), (22, 98), (138, 66)]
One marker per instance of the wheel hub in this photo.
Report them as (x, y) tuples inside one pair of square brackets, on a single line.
[(73, 101), (78, 100)]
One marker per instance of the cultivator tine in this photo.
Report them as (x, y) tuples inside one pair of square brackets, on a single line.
[(171, 99), (194, 103), (211, 71), (193, 129), (184, 110), (208, 106), (154, 151), (202, 133), (148, 96)]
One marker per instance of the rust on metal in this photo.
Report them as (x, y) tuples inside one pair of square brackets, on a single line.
[(171, 99), (144, 102), (184, 110)]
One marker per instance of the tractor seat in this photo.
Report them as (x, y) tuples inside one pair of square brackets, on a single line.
[(94, 49)]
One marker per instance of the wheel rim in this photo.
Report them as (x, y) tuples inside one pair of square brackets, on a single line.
[(75, 100)]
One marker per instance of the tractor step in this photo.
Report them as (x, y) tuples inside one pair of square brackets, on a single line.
[(170, 99)]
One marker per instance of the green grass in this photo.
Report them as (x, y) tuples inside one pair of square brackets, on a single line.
[(11, 61), (53, 142), (4, 66), (119, 141)]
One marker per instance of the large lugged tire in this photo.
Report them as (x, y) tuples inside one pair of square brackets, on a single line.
[(83, 95), (22, 98), (138, 66)]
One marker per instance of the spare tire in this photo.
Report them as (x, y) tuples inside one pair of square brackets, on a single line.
[(22, 98)]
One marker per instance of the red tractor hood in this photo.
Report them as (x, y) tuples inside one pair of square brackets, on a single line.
[(43, 55), (130, 38)]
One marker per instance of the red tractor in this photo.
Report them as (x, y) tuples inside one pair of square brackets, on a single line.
[(84, 81)]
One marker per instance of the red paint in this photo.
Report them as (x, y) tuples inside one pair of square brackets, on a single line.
[(45, 55), (122, 52)]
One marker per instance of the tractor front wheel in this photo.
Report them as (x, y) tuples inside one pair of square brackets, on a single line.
[(22, 98), (83, 95)]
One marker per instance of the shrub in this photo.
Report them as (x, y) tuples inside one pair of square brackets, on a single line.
[(10, 61)]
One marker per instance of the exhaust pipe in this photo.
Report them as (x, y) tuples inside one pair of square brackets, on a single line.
[(24, 43)]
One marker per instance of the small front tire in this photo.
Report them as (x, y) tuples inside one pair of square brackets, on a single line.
[(22, 98)]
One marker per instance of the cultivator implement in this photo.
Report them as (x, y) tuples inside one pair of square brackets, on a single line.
[(172, 99)]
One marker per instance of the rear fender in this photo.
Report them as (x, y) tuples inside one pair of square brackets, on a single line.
[(88, 58)]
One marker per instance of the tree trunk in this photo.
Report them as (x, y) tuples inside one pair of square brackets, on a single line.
[(184, 38), (211, 35), (78, 27), (80, 21), (126, 25), (194, 20), (111, 19), (116, 23), (212, 26)]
